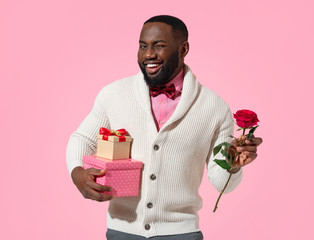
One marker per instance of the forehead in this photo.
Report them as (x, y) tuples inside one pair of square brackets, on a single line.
[(155, 31)]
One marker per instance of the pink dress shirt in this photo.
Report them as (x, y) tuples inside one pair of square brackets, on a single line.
[(162, 106)]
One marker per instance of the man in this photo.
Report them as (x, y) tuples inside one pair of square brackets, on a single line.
[(175, 123)]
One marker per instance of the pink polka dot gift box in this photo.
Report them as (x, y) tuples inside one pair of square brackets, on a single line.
[(123, 175)]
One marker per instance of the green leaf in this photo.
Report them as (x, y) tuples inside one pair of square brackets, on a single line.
[(251, 132), (224, 152), (217, 149), (225, 144), (219, 146), (223, 164), (239, 129)]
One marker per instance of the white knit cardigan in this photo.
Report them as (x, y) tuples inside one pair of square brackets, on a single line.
[(200, 121)]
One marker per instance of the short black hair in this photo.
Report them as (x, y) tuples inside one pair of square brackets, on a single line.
[(178, 26)]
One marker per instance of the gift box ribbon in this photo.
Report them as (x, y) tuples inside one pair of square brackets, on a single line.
[(107, 132)]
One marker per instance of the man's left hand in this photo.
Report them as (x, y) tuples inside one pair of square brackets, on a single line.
[(247, 152)]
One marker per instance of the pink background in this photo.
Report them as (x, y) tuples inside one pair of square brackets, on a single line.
[(56, 55)]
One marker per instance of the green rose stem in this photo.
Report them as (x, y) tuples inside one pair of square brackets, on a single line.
[(230, 174), (216, 206), (242, 142)]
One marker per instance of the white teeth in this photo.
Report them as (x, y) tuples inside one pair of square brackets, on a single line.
[(152, 65)]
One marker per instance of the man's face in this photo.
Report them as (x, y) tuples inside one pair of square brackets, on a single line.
[(158, 54)]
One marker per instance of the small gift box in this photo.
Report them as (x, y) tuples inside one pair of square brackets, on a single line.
[(123, 176), (113, 144)]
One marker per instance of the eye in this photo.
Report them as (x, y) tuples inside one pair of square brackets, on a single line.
[(142, 46), (159, 46)]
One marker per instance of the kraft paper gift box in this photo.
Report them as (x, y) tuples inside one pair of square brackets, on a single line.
[(113, 144), (123, 176)]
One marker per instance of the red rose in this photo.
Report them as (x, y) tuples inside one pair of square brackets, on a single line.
[(246, 118)]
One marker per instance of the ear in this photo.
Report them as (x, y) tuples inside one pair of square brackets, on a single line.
[(184, 48)]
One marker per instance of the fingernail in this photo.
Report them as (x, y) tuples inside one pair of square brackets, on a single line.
[(239, 149)]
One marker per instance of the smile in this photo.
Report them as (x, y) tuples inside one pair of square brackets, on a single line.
[(152, 68)]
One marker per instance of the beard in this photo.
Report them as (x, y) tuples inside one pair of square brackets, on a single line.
[(165, 71)]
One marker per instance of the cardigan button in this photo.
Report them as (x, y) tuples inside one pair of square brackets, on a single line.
[(153, 177), (149, 205), (147, 226), (156, 147)]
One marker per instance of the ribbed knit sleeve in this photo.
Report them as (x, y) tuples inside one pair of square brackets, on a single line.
[(217, 175), (83, 140)]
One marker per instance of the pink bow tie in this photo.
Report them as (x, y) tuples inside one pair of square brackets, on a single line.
[(169, 91)]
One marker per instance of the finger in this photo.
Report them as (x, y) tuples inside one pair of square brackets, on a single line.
[(101, 197), (250, 155), (242, 137), (247, 148), (95, 191), (240, 161), (96, 172), (244, 159), (97, 196), (98, 187), (254, 141)]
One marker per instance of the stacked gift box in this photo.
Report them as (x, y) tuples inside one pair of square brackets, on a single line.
[(123, 173)]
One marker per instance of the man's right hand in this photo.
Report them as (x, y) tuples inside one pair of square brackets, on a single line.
[(84, 179)]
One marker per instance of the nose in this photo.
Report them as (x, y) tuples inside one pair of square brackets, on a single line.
[(150, 53)]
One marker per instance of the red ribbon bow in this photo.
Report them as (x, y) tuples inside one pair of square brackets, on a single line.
[(107, 132), (169, 91)]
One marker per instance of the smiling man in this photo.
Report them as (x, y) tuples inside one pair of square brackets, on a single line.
[(174, 122)]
